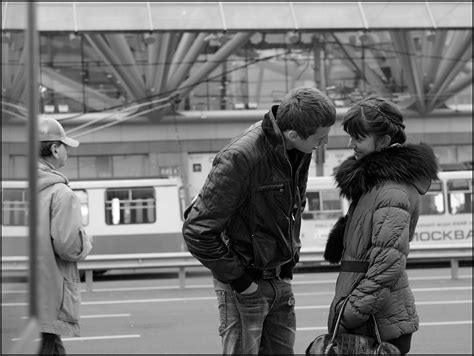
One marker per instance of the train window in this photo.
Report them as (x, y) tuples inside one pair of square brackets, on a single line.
[(325, 204), (14, 207), (130, 206), (460, 196), (432, 202), (331, 200), (84, 199), (314, 201)]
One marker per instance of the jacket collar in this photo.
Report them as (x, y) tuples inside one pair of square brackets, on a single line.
[(272, 131), (407, 164)]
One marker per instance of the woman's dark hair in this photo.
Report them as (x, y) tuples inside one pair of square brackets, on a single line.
[(305, 110), (375, 116), (45, 147)]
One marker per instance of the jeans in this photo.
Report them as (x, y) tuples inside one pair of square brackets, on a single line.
[(51, 344), (263, 322)]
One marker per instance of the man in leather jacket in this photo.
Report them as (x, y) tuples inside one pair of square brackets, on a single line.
[(244, 224)]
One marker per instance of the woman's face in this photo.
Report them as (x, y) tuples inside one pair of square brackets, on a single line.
[(363, 146)]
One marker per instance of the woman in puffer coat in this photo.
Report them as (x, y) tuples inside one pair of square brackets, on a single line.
[(383, 181)]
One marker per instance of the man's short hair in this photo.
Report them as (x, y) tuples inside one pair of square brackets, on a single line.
[(45, 147), (305, 110)]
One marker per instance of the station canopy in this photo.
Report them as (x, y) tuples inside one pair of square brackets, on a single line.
[(238, 16)]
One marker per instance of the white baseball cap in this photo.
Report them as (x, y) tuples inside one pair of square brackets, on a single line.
[(51, 130)]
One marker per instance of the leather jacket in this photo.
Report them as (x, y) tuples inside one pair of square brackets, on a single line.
[(248, 212)]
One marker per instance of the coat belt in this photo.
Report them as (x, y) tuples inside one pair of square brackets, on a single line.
[(354, 266)]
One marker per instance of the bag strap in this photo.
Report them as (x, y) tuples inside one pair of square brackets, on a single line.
[(377, 334), (338, 321)]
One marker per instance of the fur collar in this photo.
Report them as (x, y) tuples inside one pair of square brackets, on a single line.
[(408, 164)]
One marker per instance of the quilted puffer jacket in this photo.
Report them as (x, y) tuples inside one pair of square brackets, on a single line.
[(384, 189), (248, 212)]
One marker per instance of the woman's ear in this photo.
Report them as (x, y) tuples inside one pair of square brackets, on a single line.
[(384, 142)]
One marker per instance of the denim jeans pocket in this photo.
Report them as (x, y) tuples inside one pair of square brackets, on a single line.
[(70, 302), (228, 314)]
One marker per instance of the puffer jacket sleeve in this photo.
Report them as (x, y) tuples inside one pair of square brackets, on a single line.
[(70, 242), (223, 192), (387, 256)]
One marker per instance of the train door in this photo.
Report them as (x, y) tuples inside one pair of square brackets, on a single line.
[(199, 166), (323, 207)]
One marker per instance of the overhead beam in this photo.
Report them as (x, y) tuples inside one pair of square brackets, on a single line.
[(216, 60), (227, 16), (188, 61), (403, 44), (459, 54), (74, 90), (119, 45), (101, 47)]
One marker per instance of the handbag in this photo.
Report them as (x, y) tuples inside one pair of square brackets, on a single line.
[(350, 344)]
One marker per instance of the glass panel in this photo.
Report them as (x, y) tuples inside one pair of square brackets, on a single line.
[(102, 17), (87, 167), (130, 165), (460, 203), (431, 204), (322, 205), (459, 184), (187, 16), (331, 200), (460, 196), (254, 13), (84, 200), (14, 207), (55, 16), (388, 14), (314, 201), (328, 15)]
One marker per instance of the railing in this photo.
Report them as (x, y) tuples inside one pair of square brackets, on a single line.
[(184, 260)]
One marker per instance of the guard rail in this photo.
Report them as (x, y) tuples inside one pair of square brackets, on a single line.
[(184, 260)]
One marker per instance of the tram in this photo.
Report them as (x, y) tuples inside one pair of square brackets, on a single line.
[(145, 215), (445, 212), (123, 216)]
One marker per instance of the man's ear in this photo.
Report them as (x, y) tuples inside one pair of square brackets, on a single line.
[(55, 150), (291, 135)]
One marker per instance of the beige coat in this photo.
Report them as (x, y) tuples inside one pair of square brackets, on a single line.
[(62, 242)]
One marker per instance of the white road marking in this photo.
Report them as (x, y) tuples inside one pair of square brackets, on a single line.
[(87, 338), (442, 302), (203, 286), (440, 289), (441, 323), (164, 300), (96, 316)]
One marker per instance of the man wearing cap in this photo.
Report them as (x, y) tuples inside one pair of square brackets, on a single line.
[(62, 241)]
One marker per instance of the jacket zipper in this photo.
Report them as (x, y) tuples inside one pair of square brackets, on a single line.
[(294, 192)]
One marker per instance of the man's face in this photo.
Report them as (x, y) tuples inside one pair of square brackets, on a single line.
[(60, 152), (320, 137)]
